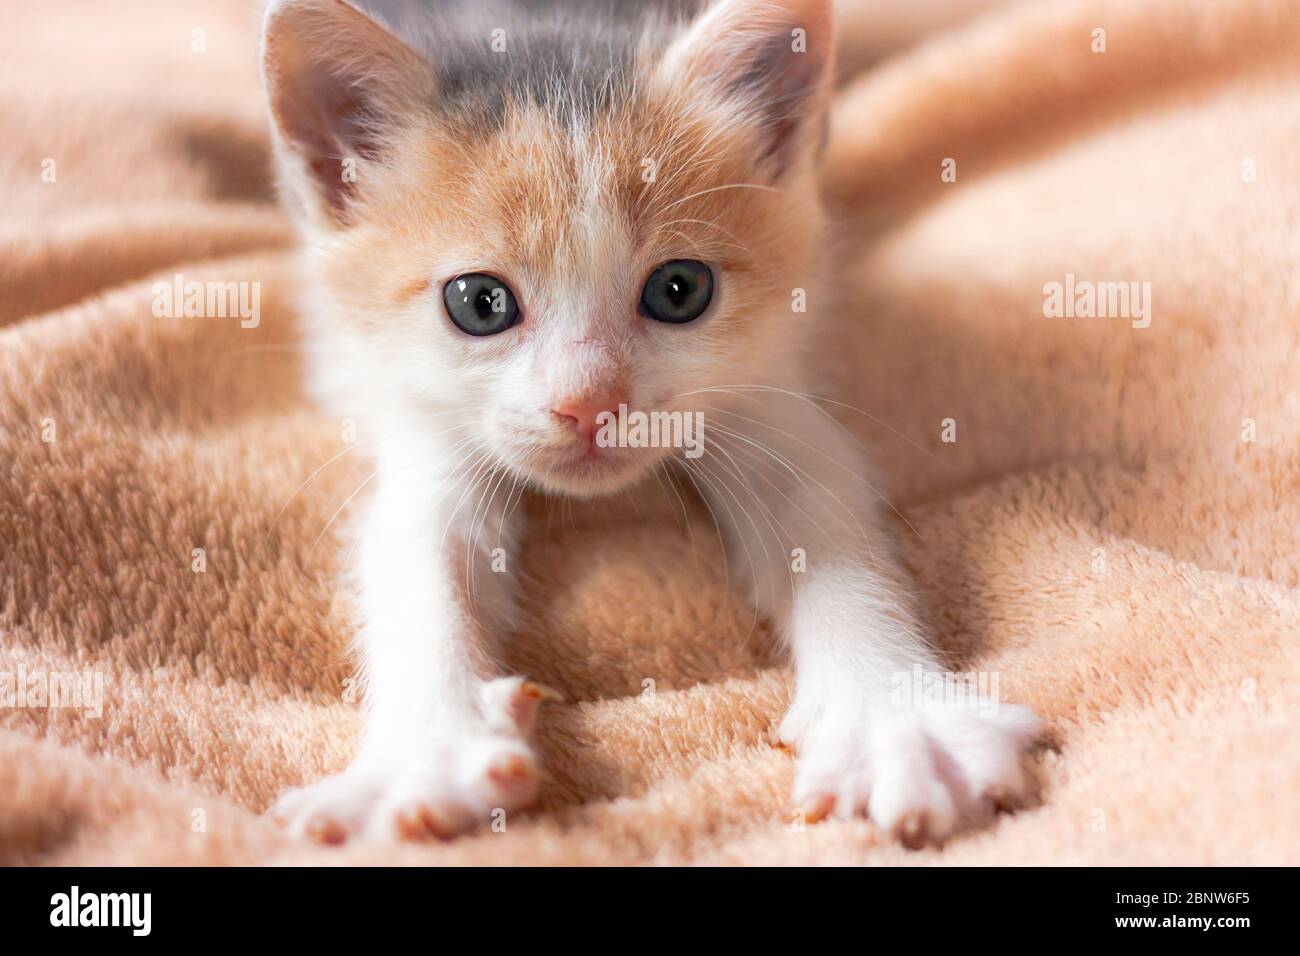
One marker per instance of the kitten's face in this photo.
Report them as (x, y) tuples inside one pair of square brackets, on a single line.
[(568, 221)]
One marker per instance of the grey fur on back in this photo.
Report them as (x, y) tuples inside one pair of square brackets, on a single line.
[(574, 57)]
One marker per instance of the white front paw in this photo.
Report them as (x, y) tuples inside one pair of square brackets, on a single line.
[(917, 773), (442, 785)]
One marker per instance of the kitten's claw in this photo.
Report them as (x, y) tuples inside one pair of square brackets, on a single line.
[(917, 775), (517, 700), (513, 770), (419, 822), (515, 778), (541, 691), (911, 830), (433, 787), (819, 809), (325, 830)]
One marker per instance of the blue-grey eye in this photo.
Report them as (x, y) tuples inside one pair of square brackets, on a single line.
[(678, 291), (480, 304)]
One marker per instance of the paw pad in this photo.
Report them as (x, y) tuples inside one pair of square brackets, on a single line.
[(420, 822)]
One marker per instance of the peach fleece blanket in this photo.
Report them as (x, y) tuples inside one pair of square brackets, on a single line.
[(1114, 533)]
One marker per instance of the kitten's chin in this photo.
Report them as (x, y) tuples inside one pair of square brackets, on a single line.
[(588, 476)]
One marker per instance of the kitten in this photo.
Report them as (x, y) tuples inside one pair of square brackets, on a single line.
[(521, 222)]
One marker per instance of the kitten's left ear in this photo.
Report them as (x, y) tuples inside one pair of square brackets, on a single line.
[(770, 62)]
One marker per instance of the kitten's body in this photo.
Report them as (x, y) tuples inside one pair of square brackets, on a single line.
[(569, 155)]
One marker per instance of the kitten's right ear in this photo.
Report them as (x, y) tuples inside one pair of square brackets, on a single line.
[(338, 85)]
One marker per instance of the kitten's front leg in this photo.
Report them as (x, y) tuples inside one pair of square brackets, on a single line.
[(875, 729), (446, 737)]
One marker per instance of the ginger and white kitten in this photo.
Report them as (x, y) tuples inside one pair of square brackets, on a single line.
[(518, 217)]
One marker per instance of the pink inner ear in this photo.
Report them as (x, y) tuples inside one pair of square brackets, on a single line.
[(309, 120), (772, 58), (335, 78), (328, 121), (349, 116), (785, 84)]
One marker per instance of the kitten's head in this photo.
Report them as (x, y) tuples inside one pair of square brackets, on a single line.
[(517, 222)]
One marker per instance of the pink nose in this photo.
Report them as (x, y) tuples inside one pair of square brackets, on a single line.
[(581, 414)]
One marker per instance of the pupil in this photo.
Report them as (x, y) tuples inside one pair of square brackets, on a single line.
[(483, 303), (677, 288)]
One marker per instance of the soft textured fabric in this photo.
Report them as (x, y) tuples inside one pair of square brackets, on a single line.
[(1101, 535)]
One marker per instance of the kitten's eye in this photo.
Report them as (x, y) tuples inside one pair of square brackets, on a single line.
[(678, 291), (480, 304)]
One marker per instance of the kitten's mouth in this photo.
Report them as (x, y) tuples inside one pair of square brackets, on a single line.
[(588, 471)]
